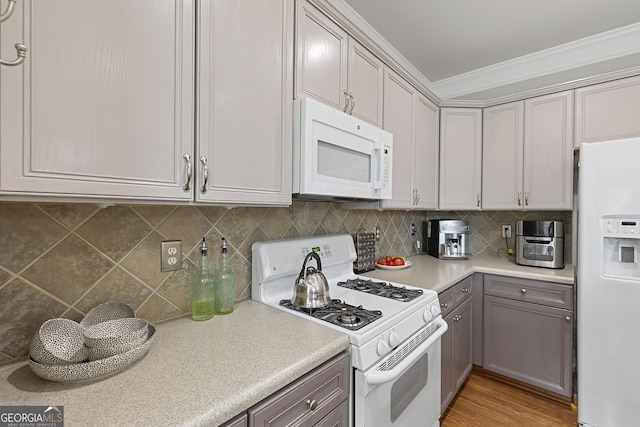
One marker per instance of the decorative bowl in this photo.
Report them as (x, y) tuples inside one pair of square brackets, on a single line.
[(113, 333), (58, 342), (88, 371), (109, 310), (97, 353)]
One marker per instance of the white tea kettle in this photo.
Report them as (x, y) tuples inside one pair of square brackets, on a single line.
[(311, 289)]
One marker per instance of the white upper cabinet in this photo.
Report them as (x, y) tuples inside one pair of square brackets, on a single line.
[(245, 101), (334, 68), (399, 108), (102, 107), (460, 158), (528, 154), (413, 121), (548, 152), (502, 156), (426, 151), (608, 111)]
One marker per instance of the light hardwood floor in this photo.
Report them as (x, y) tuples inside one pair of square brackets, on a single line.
[(485, 401)]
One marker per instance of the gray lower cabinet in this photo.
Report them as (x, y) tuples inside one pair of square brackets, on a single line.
[(241, 420), (319, 398), (456, 304), (528, 326)]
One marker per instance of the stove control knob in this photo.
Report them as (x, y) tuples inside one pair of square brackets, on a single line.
[(427, 316), (435, 310), (394, 340), (382, 348)]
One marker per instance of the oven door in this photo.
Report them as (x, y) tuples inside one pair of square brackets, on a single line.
[(403, 389)]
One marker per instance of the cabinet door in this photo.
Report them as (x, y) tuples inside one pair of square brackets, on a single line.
[(460, 158), (548, 152), (245, 98), (502, 156), (365, 78), (425, 159), (102, 107), (528, 342), (608, 111), (398, 119), (462, 356), (321, 57)]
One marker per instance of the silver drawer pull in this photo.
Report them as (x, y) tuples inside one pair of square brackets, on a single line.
[(443, 305), (465, 291), (523, 290), (568, 319), (312, 404)]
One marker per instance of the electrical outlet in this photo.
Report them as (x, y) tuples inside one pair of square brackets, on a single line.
[(377, 230), (506, 231), (171, 255), (413, 229)]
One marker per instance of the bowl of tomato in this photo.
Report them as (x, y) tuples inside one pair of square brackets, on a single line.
[(393, 263)]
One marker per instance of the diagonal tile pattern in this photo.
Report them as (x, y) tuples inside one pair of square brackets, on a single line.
[(61, 260)]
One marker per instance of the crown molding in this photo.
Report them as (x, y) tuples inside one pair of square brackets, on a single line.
[(600, 47), (365, 34)]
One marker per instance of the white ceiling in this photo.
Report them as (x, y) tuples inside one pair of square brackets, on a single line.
[(483, 49)]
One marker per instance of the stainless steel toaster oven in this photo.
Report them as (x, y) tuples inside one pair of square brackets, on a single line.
[(540, 243)]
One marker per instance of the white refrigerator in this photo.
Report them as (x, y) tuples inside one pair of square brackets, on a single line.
[(608, 284)]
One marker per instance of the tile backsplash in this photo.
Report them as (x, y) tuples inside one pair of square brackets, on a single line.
[(61, 260)]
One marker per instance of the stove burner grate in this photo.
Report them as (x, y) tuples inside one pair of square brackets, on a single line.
[(386, 290), (339, 313)]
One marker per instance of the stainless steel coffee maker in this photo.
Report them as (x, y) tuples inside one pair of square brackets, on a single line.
[(447, 238)]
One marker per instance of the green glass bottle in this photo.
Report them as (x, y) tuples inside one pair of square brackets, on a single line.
[(202, 292), (224, 287)]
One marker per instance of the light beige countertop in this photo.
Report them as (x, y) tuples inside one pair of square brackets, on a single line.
[(195, 374), (428, 272)]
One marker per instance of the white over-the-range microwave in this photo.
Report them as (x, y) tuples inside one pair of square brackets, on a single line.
[(337, 156)]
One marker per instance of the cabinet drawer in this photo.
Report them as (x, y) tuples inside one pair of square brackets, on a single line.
[(307, 400), (239, 421), (533, 291), (452, 297)]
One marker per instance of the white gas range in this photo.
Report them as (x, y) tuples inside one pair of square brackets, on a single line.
[(394, 329)]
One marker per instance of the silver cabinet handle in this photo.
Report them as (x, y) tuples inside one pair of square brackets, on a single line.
[(187, 185), (353, 103), (20, 48), (205, 174), (22, 53), (568, 319), (526, 198), (443, 305), (478, 199), (523, 290), (457, 318), (519, 198), (346, 101), (313, 404), (7, 13), (465, 290)]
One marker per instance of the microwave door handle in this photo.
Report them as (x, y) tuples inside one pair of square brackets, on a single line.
[(378, 184)]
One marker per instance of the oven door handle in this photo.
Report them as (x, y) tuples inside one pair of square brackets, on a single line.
[(380, 377)]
